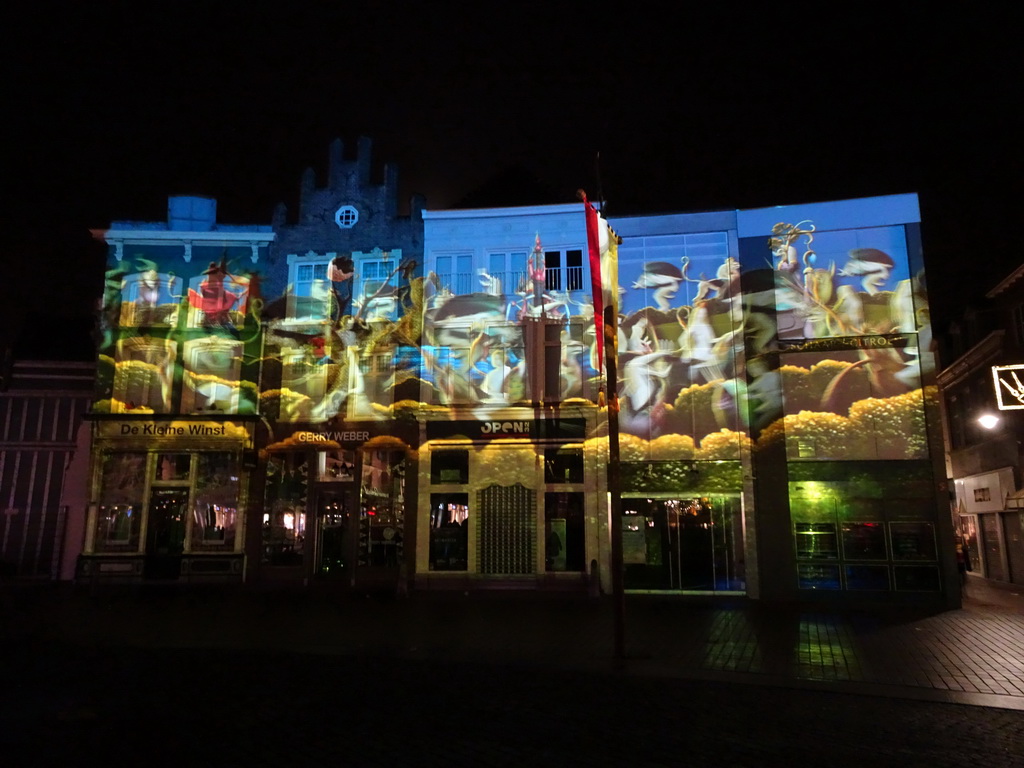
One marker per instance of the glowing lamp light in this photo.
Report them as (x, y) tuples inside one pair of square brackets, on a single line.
[(988, 421)]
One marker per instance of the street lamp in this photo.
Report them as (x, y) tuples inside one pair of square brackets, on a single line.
[(988, 420)]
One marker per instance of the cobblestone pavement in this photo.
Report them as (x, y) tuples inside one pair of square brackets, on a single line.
[(314, 679)]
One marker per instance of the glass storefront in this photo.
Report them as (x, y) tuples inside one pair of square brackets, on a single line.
[(163, 508), (684, 544)]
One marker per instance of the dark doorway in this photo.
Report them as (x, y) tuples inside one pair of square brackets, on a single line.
[(335, 544), (563, 532), (165, 536)]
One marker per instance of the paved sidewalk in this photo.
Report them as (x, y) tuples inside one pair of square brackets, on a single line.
[(971, 656)]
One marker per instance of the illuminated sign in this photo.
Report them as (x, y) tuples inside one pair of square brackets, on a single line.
[(338, 437), (173, 429), (551, 429), (1008, 385)]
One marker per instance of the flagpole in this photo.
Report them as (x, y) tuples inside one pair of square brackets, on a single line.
[(614, 479), (607, 313)]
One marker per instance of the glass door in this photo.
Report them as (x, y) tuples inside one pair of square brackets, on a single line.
[(335, 544)]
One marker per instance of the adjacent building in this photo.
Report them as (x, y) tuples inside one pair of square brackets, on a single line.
[(42, 497), (983, 398)]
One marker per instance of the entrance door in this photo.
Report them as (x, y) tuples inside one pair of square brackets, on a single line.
[(691, 545), (335, 542), (564, 540), (165, 535)]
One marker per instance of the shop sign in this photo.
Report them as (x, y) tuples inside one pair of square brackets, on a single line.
[(897, 341), (172, 430), (494, 429), (341, 436), (1009, 387)]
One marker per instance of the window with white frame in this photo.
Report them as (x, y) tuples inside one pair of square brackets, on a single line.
[(377, 373), (212, 375), (505, 273), (377, 284), (144, 375), (455, 273), (563, 270)]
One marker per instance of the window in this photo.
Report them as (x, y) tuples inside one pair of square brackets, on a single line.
[(212, 373), (215, 505), (346, 217), (310, 296), (445, 377), (373, 380), (377, 287), (563, 270), (144, 375), (449, 531), (455, 273), (119, 513), (284, 518), (217, 299), (150, 298), (563, 465), (506, 273), (449, 467), (328, 286)]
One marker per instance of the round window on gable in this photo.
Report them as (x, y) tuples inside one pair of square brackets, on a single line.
[(346, 216)]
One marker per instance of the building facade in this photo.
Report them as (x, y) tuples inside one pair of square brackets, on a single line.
[(512, 471), (984, 409), (369, 398), (177, 397), (339, 385)]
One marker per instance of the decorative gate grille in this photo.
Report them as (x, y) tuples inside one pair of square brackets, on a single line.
[(508, 530)]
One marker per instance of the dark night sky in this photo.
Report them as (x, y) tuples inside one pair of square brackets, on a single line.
[(114, 106)]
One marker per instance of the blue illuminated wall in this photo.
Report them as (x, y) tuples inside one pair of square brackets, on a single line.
[(508, 308)]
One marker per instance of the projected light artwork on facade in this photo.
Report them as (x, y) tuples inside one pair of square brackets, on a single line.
[(361, 396)]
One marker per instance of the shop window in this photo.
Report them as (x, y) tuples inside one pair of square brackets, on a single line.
[(449, 531), (861, 534), (336, 466), (563, 465), (916, 578), (449, 467), (815, 576), (215, 506), (912, 541), (864, 541), (868, 578), (382, 508), (122, 492), (170, 467)]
